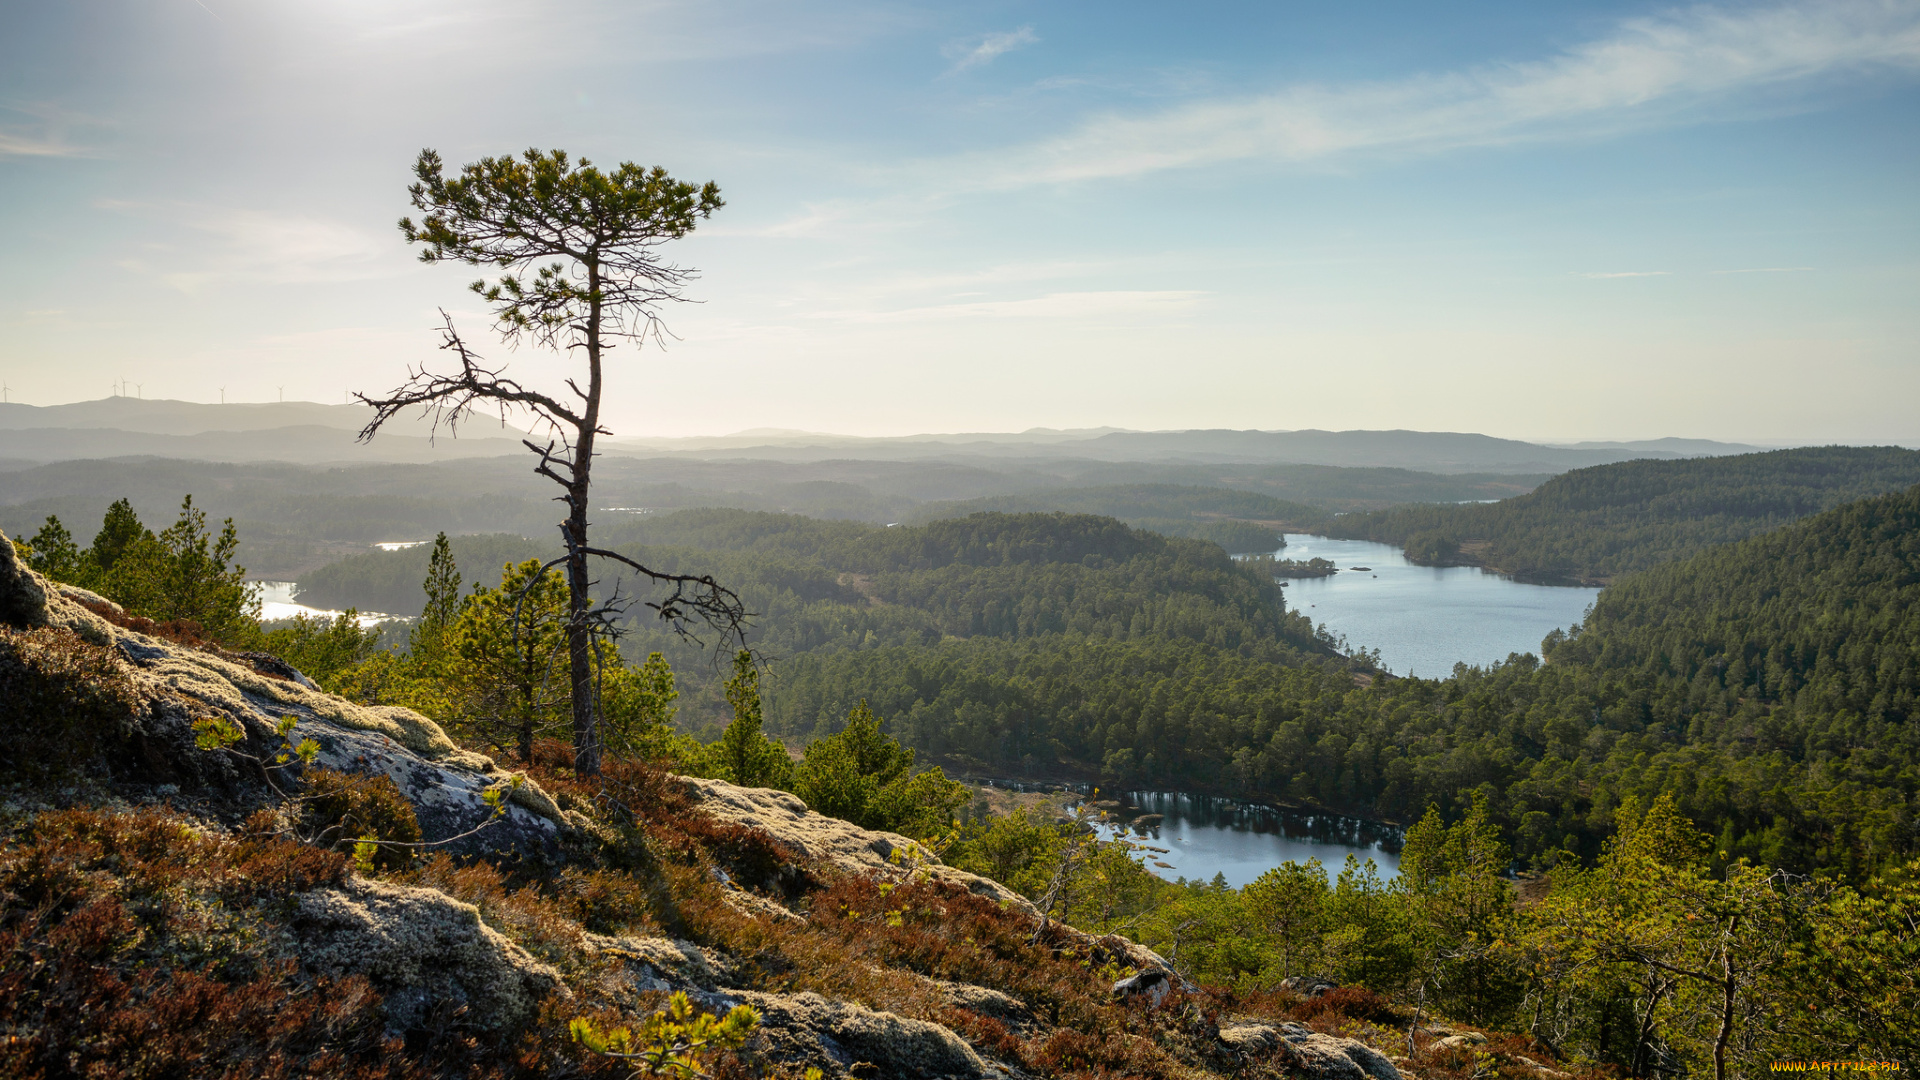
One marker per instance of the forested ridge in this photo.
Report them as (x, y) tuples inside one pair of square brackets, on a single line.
[(1240, 521), (828, 585), (1766, 686), (1592, 525)]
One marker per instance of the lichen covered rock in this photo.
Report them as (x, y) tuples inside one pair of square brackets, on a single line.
[(787, 819), (424, 950), (836, 1036), (174, 685), (1311, 1054)]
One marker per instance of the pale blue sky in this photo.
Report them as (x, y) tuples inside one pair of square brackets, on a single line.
[(1557, 221)]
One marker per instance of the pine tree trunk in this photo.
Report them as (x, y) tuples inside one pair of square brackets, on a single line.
[(1728, 990), (586, 733)]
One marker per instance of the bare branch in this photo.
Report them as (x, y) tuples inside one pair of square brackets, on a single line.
[(449, 399)]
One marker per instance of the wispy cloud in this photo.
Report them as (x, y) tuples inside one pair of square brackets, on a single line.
[(1063, 305), (50, 140), (973, 52), (256, 245), (1648, 72), (1626, 273), (15, 144)]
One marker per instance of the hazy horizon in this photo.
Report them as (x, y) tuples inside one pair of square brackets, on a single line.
[(1595, 221), (1089, 430)]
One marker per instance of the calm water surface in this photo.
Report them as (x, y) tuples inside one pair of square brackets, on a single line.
[(277, 602), (1205, 836), (1424, 619)]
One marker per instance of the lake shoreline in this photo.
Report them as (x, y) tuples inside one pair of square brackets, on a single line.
[(1423, 620), (1084, 787)]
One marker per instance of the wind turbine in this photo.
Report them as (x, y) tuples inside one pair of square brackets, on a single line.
[(223, 395)]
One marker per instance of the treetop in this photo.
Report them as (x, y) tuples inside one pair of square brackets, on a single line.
[(505, 210)]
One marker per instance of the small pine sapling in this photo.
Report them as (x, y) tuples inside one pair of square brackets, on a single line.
[(672, 1042)]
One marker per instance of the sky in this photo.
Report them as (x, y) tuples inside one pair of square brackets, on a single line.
[(1549, 221)]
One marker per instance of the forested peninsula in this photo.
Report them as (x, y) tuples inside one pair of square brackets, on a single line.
[(1592, 525)]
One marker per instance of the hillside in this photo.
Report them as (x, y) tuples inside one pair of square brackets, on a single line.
[(1239, 521), (1594, 524), (293, 431), (1818, 622), (828, 586)]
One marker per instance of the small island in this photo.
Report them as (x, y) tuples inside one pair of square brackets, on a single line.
[(1292, 568)]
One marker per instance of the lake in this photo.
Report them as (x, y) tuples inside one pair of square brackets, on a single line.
[(1203, 836), (1425, 619), (277, 602)]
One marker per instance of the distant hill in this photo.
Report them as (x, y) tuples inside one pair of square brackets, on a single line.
[(315, 433), (1591, 525), (291, 431), (1431, 451), (1681, 447), (1428, 451)]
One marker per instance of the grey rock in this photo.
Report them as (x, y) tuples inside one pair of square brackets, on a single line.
[(1306, 986), (1311, 1054), (837, 1036), (23, 593), (786, 818), (1150, 986), (1249, 1038), (986, 1001), (177, 684), (422, 949), (679, 964)]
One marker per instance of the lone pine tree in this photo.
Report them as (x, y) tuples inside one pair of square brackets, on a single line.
[(578, 253)]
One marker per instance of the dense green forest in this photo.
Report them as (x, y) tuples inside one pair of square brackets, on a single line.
[(1767, 686), (1243, 522), (1592, 525), (824, 585)]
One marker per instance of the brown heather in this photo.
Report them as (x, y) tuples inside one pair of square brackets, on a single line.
[(61, 700), (338, 809)]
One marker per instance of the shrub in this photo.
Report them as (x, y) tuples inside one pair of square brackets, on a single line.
[(61, 700), (104, 971), (338, 809), (1352, 1002)]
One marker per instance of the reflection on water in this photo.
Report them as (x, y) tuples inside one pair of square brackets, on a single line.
[(1198, 836), (277, 602), (1424, 619)]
